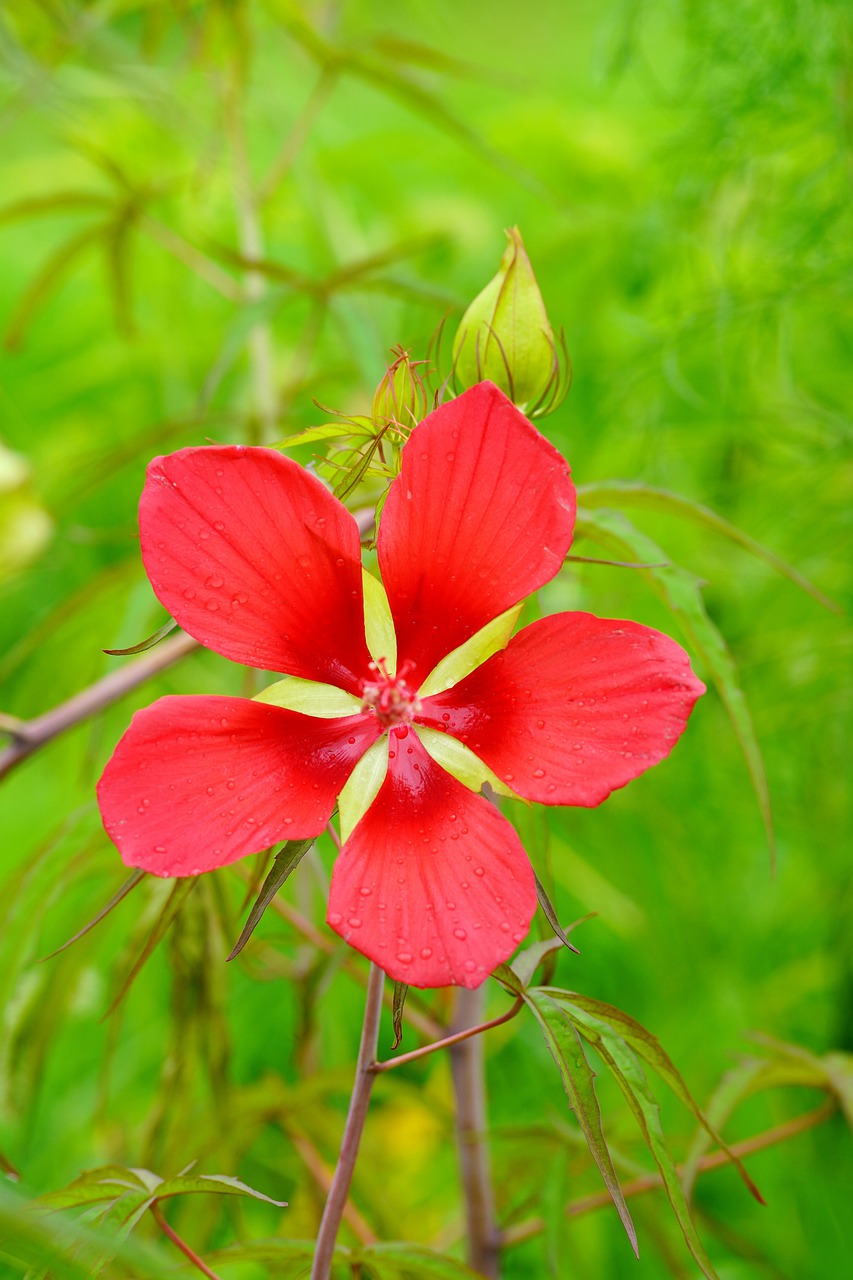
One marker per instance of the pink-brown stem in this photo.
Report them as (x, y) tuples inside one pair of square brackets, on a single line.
[(468, 1068), (446, 1043), (28, 735), (364, 1077), (185, 1249)]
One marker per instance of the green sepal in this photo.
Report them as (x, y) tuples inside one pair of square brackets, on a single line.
[(460, 662), (310, 698), (461, 763)]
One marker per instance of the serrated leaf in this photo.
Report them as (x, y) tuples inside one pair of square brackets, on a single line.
[(178, 895), (680, 592), (551, 915), (94, 1186), (211, 1183), (615, 493), (564, 1044), (629, 1075), (397, 1005), (149, 643), (652, 1051), (327, 431), (121, 893), (286, 860)]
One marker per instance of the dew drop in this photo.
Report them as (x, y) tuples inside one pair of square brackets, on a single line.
[(335, 918), (470, 966), (460, 934), (405, 957), (539, 773), (479, 871), (354, 922), (189, 594), (159, 848), (214, 582), (426, 952), (211, 605)]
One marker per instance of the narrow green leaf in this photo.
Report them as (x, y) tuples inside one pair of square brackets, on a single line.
[(397, 1004), (617, 493), (328, 431), (564, 1043), (286, 860), (56, 202), (630, 1077), (509, 979), (155, 638), (208, 1183), (642, 1042), (180, 891), (130, 883), (551, 915), (680, 592), (528, 961)]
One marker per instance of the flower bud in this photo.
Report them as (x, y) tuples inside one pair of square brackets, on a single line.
[(506, 337), (401, 396)]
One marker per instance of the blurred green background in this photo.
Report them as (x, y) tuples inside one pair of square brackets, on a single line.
[(682, 174)]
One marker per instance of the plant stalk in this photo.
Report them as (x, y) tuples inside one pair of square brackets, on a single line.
[(364, 1077), (468, 1067)]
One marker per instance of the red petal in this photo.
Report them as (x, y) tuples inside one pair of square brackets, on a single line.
[(433, 884), (573, 708), (196, 783), (256, 559), (481, 515)]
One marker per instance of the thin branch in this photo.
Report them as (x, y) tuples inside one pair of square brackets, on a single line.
[(29, 735), (356, 1117), (185, 1249), (391, 1063), (653, 1181)]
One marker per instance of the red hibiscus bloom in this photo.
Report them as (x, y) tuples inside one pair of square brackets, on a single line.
[(257, 560)]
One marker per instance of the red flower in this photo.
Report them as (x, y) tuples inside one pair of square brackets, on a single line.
[(257, 560)]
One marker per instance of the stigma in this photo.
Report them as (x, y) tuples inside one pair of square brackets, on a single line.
[(390, 698)]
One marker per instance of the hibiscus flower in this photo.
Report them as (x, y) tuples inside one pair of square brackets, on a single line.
[(396, 704)]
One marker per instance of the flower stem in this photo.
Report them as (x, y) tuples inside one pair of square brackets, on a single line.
[(467, 1064), (364, 1077)]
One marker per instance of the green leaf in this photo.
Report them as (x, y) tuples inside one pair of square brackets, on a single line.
[(509, 979), (286, 860), (211, 1183), (566, 1049), (629, 1075), (94, 1186), (180, 891), (642, 1042), (551, 915), (328, 431), (397, 1004), (158, 635), (130, 883), (528, 961), (680, 592), (617, 493)]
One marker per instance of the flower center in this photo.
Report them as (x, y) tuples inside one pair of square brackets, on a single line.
[(390, 698)]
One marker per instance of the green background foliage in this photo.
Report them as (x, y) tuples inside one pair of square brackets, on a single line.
[(682, 176)]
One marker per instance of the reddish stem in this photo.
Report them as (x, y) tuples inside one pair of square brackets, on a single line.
[(181, 1244), (448, 1040)]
